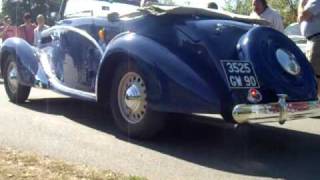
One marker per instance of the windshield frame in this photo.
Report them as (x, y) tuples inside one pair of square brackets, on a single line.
[(61, 14)]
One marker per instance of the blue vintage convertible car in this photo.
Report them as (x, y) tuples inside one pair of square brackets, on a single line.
[(144, 63)]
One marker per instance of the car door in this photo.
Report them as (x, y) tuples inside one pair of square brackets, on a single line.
[(73, 54), (76, 48)]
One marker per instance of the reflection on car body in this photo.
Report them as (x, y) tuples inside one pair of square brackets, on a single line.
[(159, 60)]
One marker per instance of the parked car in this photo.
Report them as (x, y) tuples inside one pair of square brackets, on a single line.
[(294, 33), (165, 59)]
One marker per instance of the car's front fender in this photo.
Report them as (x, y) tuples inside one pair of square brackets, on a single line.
[(173, 85), (26, 59)]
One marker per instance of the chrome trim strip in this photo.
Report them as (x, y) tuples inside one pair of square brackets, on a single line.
[(71, 92)]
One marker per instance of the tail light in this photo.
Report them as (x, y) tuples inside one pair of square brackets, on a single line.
[(254, 96)]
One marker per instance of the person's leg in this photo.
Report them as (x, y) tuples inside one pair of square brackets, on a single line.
[(313, 54)]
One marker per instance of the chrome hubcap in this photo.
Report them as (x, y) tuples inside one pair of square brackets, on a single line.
[(12, 75), (288, 62), (132, 97)]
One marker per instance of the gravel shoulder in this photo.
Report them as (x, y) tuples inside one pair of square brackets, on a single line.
[(29, 166)]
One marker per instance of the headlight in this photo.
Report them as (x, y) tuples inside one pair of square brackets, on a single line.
[(288, 62)]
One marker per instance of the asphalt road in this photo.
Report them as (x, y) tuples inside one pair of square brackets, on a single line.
[(81, 132)]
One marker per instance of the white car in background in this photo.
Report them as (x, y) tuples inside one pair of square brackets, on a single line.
[(294, 33)]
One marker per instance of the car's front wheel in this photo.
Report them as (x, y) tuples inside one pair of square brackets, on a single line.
[(129, 103), (16, 92)]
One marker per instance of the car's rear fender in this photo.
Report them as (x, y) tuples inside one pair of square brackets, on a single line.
[(26, 59), (260, 46), (172, 85)]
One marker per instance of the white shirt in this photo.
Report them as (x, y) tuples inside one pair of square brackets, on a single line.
[(311, 27), (272, 16), (37, 34)]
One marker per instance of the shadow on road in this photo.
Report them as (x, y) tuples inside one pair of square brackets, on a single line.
[(249, 150)]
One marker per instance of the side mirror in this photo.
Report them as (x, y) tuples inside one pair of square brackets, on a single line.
[(113, 17), (212, 5)]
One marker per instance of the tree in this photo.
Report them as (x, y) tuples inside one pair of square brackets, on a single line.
[(239, 6), (16, 8), (287, 8)]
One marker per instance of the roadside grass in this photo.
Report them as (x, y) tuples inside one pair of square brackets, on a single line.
[(26, 166)]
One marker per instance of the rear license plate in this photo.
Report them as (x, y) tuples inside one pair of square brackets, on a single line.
[(240, 74)]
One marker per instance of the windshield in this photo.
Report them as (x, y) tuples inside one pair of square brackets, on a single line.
[(192, 3), (76, 8), (131, 2)]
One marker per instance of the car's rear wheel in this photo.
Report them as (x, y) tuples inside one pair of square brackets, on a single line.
[(16, 92), (129, 103)]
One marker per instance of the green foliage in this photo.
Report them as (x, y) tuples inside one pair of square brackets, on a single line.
[(239, 6), (16, 8), (287, 8)]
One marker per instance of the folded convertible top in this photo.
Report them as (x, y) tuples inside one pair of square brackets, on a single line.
[(215, 14)]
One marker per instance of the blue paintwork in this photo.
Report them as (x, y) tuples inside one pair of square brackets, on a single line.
[(169, 75), (26, 59), (273, 78), (179, 56)]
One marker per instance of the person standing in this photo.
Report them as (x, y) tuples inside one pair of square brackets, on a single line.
[(26, 30), (309, 19), (41, 27), (8, 30), (263, 11)]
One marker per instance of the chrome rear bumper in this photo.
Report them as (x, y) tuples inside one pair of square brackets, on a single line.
[(281, 111)]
